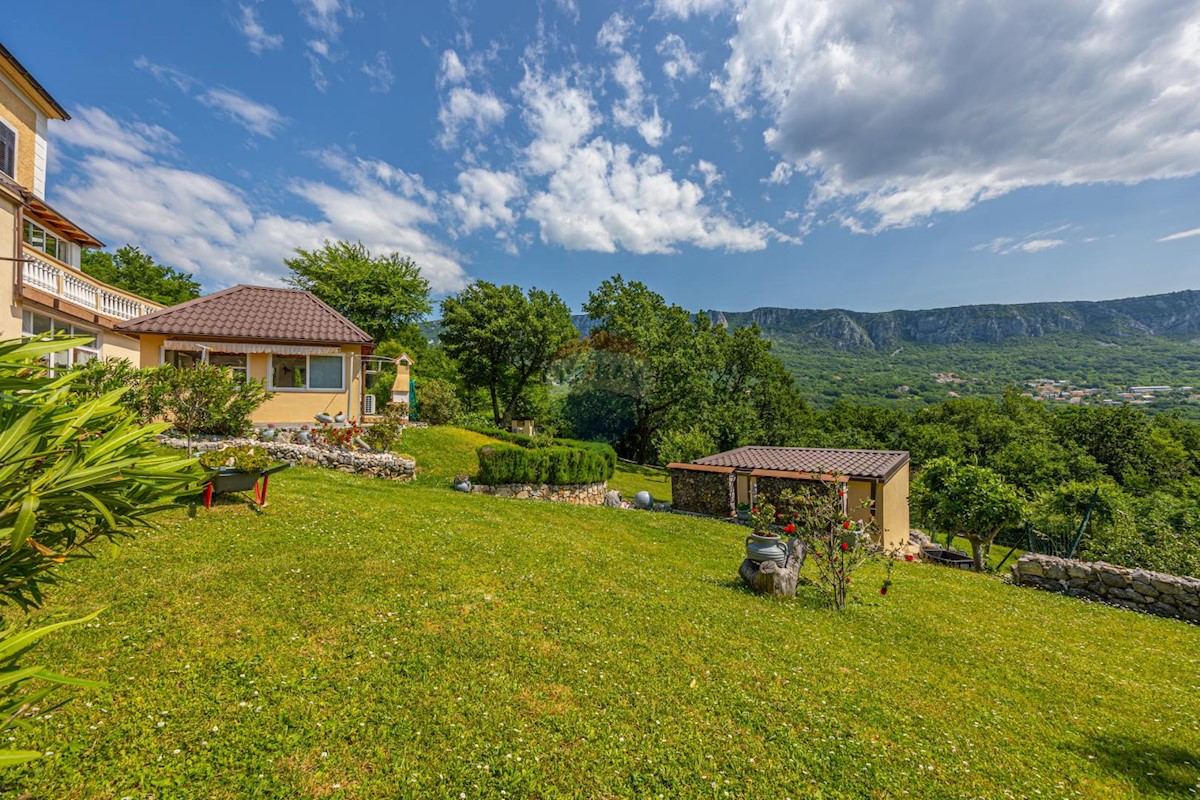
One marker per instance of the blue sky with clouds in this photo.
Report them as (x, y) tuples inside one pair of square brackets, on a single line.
[(730, 153)]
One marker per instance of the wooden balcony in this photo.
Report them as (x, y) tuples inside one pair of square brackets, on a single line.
[(48, 282)]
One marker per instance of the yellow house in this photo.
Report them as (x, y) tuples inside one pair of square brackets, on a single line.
[(876, 482), (312, 357), (43, 288)]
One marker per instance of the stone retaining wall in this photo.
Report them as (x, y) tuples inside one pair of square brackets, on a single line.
[(359, 462), (1137, 589), (710, 493), (579, 494)]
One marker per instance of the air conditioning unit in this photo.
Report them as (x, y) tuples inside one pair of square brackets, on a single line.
[(368, 404)]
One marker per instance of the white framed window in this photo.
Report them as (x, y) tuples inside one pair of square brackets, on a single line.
[(308, 373), (8, 150), (34, 324), (47, 241), (234, 362)]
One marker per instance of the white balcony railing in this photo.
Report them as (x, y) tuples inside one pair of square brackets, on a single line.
[(77, 288)]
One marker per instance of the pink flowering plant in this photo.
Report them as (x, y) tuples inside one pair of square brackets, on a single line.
[(837, 545)]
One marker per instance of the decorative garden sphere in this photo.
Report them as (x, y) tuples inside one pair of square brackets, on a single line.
[(643, 500)]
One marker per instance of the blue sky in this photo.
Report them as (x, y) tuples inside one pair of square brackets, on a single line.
[(729, 153)]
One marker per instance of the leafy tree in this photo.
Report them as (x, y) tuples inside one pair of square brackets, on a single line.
[(134, 271), (383, 295), (505, 340), (647, 351), (968, 501)]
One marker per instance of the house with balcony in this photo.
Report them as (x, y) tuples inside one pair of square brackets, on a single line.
[(42, 287)]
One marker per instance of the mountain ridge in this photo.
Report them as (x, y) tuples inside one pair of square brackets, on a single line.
[(1170, 314)]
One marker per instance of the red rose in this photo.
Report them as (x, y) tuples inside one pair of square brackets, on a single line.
[(845, 545), (846, 524), (789, 528), (883, 591), (908, 557), (779, 516), (754, 510)]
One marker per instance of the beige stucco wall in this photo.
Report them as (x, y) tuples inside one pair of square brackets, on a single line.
[(10, 313), (286, 406), (894, 506), (22, 117), (118, 345), (858, 493)]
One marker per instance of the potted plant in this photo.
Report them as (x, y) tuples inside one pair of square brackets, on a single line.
[(324, 418), (339, 417), (268, 433), (238, 469), (765, 544), (303, 436), (743, 512)]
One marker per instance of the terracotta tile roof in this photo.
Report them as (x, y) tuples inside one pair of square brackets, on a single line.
[(256, 313), (871, 464)]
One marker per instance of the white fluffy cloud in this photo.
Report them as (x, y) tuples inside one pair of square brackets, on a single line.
[(483, 198), (125, 192), (257, 37), (635, 110), (379, 71), (452, 69), (902, 112), (678, 61), (262, 119), (465, 108), (605, 198), (686, 8), (259, 118), (559, 113), (94, 130)]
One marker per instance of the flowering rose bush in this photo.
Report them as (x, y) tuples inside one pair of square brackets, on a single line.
[(839, 546)]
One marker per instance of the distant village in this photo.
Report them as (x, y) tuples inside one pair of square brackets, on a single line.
[(1066, 392)]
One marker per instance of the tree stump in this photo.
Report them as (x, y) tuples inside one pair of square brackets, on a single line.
[(767, 577)]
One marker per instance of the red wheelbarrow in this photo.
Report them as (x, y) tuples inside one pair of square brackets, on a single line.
[(228, 480)]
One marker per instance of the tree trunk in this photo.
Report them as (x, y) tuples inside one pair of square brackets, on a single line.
[(977, 552), (495, 405)]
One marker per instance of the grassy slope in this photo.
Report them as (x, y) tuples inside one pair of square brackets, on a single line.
[(629, 479), (359, 638)]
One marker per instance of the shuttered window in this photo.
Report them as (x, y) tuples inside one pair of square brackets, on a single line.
[(8, 151)]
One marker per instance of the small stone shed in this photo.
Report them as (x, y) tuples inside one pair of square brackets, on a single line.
[(716, 484)]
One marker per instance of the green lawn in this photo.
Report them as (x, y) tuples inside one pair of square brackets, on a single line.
[(629, 479), (359, 638)]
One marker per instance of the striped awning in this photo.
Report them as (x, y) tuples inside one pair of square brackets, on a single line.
[(252, 347)]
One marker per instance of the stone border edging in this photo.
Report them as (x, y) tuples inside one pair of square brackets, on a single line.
[(378, 465), (579, 494), (1156, 593)]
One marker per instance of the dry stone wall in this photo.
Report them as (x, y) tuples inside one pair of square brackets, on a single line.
[(360, 462), (1136, 589), (579, 494), (709, 493)]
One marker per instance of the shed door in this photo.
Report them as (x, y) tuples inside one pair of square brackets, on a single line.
[(743, 489)]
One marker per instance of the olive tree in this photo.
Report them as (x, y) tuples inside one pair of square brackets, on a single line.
[(975, 503)]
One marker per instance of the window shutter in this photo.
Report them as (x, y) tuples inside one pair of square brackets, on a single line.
[(8, 151)]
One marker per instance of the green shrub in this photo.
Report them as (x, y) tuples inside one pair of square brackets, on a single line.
[(603, 449), (201, 399), (245, 458), (437, 402), (502, 463), (384, 433)]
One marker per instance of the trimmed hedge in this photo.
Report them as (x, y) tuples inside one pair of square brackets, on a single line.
[(528, 442), (504, 463)]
